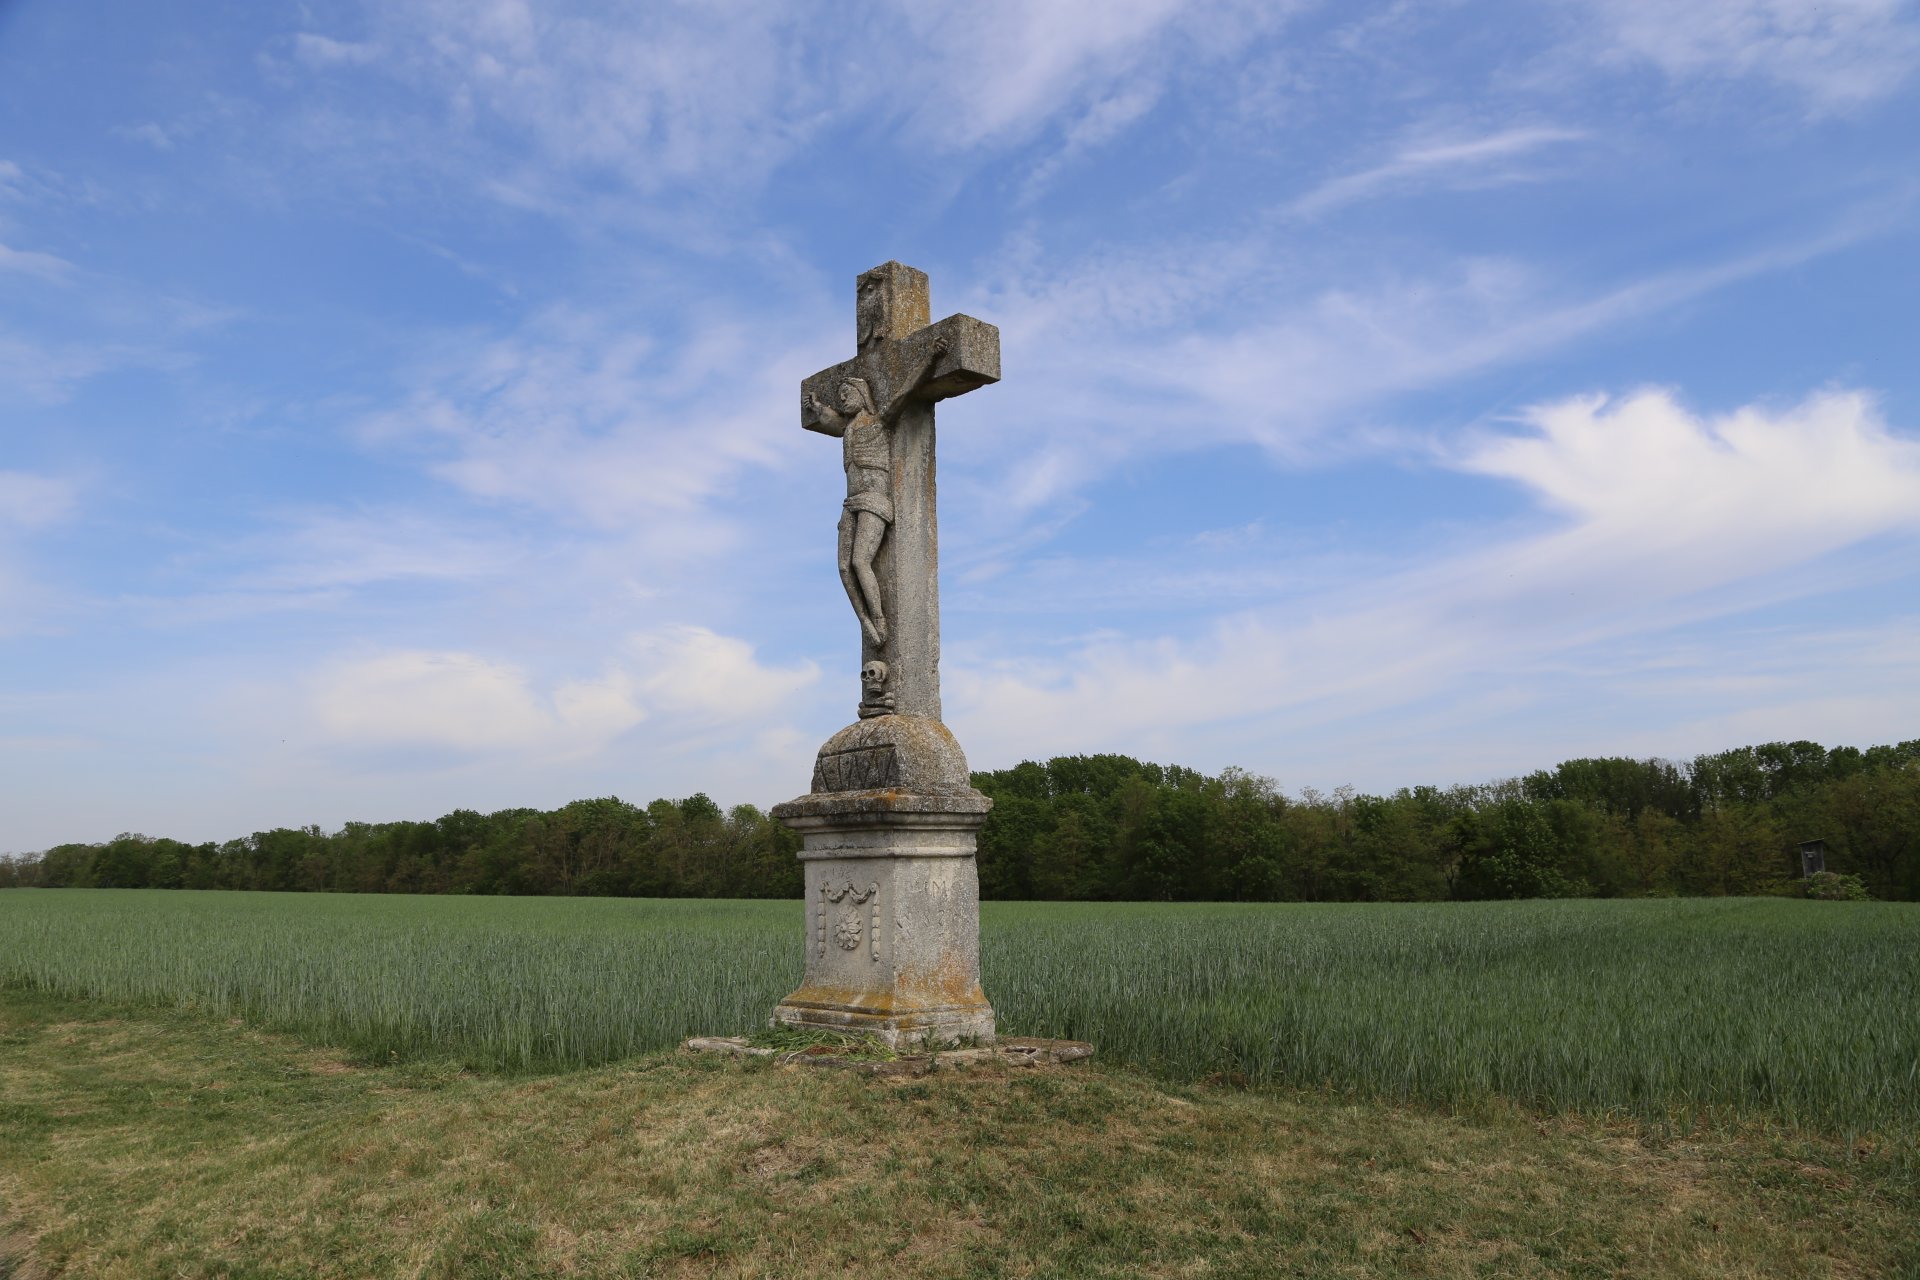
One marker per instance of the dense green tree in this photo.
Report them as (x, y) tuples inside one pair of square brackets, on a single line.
[(1070, 856), (1514, 853), (1164, 855), (1246, 838)]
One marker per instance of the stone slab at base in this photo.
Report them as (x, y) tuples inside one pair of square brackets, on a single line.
[(1014, 1051), (829, 1010)]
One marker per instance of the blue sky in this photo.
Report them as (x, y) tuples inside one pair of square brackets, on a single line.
[(398, 402)]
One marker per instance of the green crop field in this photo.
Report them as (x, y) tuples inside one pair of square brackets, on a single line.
[(1806, 1013)]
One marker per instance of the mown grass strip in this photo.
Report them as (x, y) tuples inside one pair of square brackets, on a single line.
[(168, 1144)]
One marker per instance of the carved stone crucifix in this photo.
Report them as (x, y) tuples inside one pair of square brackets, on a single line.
[(880, 404), (891, 806)]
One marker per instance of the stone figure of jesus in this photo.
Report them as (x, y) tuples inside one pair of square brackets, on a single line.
[(866, 449)]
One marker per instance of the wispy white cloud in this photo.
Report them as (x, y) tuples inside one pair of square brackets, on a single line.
[(1776, 484), (1216, 337), (13, 180), (656, 97), (48, 372), (595, 423), (149, 133), (324, 559), (30, 500), (714, 98), (1837, 53), (1105, 120), (1667, 507), (416, 698), (324, 51), (45, 266), (1003, 71), (698, 680), (1845, 683), (123, 325), (695, 673), (1488, 160)]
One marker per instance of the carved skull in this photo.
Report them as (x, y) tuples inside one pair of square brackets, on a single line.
[(873, 678)]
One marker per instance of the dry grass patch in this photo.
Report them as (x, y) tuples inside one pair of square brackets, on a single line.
[(143, 1144)]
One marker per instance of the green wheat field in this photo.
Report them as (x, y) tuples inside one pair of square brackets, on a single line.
[(1806, 1013)]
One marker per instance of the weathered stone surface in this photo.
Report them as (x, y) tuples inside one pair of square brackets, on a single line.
[(884, 782), (1034, 1051), (894, 939), (970, 358), (1023, 1051), (894, 752), (880, 405), (884, 824), (889, 826), (891, 301), (735, 1045)]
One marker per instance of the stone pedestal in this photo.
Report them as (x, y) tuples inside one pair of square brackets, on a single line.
[(892, 892)]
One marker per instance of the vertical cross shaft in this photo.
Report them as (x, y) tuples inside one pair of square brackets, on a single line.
[(880, 403), (892, 302)]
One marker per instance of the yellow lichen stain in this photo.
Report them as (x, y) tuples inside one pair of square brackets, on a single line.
[(948, 984), (943, 993)]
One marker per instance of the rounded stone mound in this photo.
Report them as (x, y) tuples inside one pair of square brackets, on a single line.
[(904, 753)]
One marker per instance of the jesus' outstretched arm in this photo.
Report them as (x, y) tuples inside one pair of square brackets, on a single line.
[(832, 421)]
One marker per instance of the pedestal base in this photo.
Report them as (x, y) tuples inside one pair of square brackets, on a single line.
[(892, 891), (897, 1029)]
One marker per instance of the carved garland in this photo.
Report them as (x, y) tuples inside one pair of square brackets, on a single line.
[(849, 930)]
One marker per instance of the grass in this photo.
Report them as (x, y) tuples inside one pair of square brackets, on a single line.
[(782, 1039), (138, 1141), (1798, 1013)]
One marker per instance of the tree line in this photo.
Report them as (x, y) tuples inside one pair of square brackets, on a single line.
[(1112, 827), (593, 848), (1108, 827)]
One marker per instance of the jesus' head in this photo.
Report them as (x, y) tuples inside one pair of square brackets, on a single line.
[(855, 397)]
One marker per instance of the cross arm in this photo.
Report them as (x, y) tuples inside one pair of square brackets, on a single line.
[(972, 360)]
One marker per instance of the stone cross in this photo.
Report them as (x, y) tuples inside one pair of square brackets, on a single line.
[(890, 826), (880, 403)]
